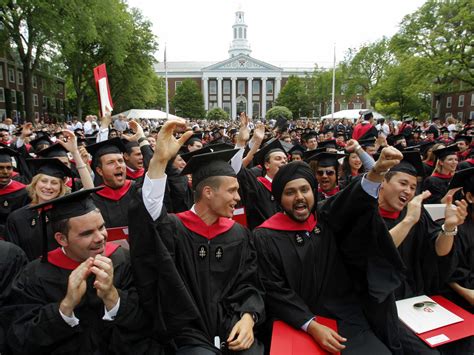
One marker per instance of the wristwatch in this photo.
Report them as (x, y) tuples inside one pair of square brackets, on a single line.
[(449, 233)]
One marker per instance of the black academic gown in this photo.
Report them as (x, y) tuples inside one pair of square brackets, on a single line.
[(256, 197), (438, 186), (426, 271), (466, 164), (12, 197), (195, 279), (12, 261), (179, 192), (113, 204), (40, 329), (345, 267), (24, 228), (428, 169)]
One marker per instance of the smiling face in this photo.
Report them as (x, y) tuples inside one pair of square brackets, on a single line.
[(86, 236), (396, 191), (354, 161), (326, 177), (297, 199), (6, 171), (47, 187), (448, 165), (221, 200)]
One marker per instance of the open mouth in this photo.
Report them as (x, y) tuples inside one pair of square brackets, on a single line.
[(403, 199), (300, 207)]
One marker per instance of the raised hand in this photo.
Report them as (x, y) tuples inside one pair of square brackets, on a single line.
[(351, 145), (259, 132), (26, 130), (244, 133), (76, 287), (241, 336), (454, 214), (137, 128), (70, 141), (103, 270), (167, 146), (414, 207), (327, 338)]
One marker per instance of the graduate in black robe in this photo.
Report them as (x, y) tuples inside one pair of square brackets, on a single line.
[(330, 264), (54, 314), (209, 297)]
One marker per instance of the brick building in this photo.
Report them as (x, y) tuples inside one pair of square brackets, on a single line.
[(459, 104), (48, 92)]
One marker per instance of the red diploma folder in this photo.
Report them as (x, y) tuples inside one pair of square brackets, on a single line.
[(103, 89), (450, 332), (287, 340), (117, 233)]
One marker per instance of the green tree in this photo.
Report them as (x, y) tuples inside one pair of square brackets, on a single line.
[(294, 96), (277, 111), (188, 100), (217, 113), (442, 32), (319, 88), (29, 27)]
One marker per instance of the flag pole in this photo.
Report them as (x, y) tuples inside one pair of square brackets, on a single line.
[(333, 81), (166, 86)]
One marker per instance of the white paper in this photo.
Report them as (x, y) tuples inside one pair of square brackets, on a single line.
[(104, 96), (426, 318), (437, 339), (436, 211)]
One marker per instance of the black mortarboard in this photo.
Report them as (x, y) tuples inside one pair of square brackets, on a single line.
[(463, 178), (40, 141), (286, 146), (53, 151), (410, 164), (217, 147), (309, 135), (432, 129), (68, 206), (49, 166), (110, 146), (369, 142), (203, 166), (6, 154), (325, 159), (328, 144), (3, 129), (444, 152), (341, 134), (78, 130), (187, 156), (281, 124), (309, 153), (424, 146), (467, 139), (196, 137), (263, 153), (444, 130), (367, 114), (297, 148), (407, 119), (392, 139)]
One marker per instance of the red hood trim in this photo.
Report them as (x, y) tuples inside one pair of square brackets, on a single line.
[(115, 194), (195, 224), (135, 174), (61, 260), (13, 186), (442, 176), (265, 182), (388, 214), (282, 222), (330, 192)]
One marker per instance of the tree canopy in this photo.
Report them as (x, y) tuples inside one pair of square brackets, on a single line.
[(188, 100)]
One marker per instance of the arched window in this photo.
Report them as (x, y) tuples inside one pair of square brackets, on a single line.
[(240, 32), (235, 33)]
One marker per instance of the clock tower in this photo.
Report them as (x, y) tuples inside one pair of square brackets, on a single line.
[(239, 44)]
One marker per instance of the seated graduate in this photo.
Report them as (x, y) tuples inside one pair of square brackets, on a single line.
[(319, 264), (79, 298), (196, 271)]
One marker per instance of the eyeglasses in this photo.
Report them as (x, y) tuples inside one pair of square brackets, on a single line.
[(424, 304), (327, 172)]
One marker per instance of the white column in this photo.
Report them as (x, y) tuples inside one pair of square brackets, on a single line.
[(205, 90), (277, 88), (234, 98), (249, 98), (264, 97), (219, 92)]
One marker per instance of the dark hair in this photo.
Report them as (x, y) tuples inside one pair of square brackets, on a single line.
[(346, 168), (214, 182), (63, 225)]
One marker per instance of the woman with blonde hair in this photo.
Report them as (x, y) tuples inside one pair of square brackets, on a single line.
[(24, 227)]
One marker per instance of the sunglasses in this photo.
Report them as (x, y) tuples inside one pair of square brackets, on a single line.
[(424, 304), (327, 172)]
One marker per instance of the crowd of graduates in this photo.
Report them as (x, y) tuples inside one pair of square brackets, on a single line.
[(194, 236)]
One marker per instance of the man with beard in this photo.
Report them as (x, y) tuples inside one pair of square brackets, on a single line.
[(337, 263), (196, 271), (80, 297), (424, 246)]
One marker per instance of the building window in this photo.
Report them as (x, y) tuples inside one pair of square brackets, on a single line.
[(472, 99), (35, 99), (22, 98), (20, 77), (269, 104), (240, 32), (212, 87), (269, 87), (226, 106), (226, 87), (471, 116), (245, 33), (461, 101), (35, 81), (37, 115), (212, 104), (343, 106), (3, 114), (357, 106), (1, 72), (11, 75), (2, 95), (235, 33), (256, 87), (13, 96), (460, 115), (241, 87), (177, 84), (449, 101), (256, 109), (45, 101)]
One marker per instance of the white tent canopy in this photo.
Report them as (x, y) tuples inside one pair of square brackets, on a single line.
[(149, 114), (351, 114)]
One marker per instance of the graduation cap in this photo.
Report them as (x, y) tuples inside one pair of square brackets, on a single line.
[(297, 149), (3, 129), (326, 159), (196, 137), (54, 151), (309, 153), (40, 142), (110, 146), (49, 166), (216, 147), (263, 153), (463, 178), (203, 166), (393, 139), (444, 130), (187, 156), (410, 164), (432, 129), (407, 118), (369, 142), (233, 131), (424, 146), (467, 139), (72, 205), (281, 123), (309, 135), (444, 152), (367, 114), (6, 153), (341, 134), (328, 144), (286, 146)]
